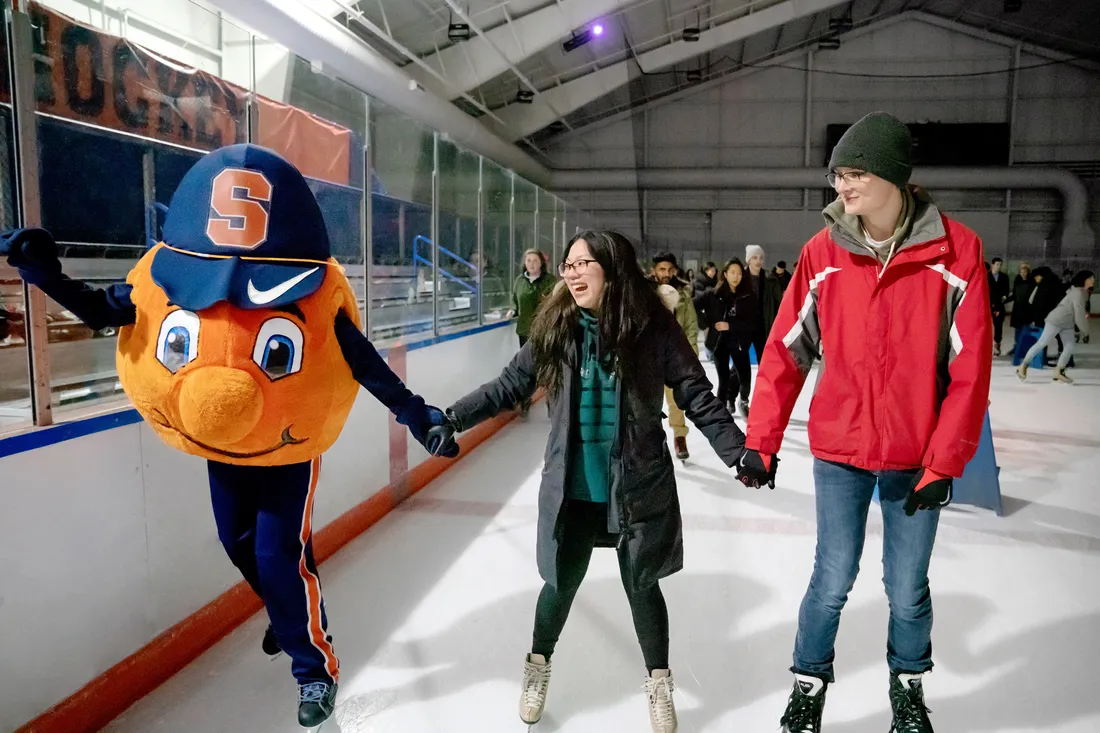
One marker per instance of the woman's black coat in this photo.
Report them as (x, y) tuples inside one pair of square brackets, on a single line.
[(644, 511), (739, 310), (1021, 307)]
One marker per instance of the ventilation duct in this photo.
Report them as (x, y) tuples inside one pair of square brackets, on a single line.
[(1076, 236)]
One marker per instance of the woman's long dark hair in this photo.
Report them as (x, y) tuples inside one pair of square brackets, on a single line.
[(723, 283), (1080, 278), (628, 302)]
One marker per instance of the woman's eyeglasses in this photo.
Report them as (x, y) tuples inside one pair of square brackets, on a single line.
[(579, 267), (849, 177)]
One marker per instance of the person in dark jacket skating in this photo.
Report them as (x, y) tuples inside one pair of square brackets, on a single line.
[(769, 294), (1021, 305), (604, 347), (705, 283), (999, 292), (734, 311)]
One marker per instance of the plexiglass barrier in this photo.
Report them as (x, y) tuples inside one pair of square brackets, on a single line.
[(128, 95)]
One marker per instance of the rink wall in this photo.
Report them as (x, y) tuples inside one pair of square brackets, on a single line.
[(113, 576)]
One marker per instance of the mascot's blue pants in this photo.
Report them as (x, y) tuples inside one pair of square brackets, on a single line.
[(265, 522)]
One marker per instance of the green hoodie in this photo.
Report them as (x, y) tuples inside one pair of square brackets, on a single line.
[(527, 294), (920, 221), (596, 420)]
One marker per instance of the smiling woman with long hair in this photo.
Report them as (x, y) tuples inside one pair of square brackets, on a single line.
[(603, 346)]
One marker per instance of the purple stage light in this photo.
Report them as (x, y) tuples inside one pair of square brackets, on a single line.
[(597, 30)]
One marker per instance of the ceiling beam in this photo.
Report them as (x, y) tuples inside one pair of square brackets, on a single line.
[(525, 119), (797, 54), (737, 72), (473, 62)]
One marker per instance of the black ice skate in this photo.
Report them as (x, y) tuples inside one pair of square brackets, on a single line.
[(316, 701), (907, 700), (271, 644), (803, 714)]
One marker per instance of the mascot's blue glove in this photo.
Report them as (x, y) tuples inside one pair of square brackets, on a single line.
[(31, 250), (430, 428)]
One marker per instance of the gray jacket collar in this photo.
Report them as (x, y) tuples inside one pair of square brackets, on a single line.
[(847, 231)]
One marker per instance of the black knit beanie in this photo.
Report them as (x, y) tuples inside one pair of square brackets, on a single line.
[(880, 144)]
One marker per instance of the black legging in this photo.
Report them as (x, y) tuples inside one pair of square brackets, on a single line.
[(584, 523), (723, 352)]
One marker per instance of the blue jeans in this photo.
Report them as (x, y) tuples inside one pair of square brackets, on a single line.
[(843, 496)]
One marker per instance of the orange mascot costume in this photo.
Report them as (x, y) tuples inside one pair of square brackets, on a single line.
[(240, 343)]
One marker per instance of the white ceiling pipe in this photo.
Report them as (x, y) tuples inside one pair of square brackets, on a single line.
[(1077, 236), (322, 39)]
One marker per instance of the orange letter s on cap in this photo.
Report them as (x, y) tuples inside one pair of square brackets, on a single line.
[(237, 217)]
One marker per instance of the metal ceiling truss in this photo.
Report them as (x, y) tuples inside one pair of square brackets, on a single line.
[(524, 120)]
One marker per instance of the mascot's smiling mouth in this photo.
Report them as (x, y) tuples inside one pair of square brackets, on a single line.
[(286, 439)]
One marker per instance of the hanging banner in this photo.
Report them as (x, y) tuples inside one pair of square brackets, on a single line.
[(86, 75), (316, 147)]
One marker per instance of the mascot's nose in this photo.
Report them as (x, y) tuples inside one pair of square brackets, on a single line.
[(219, 405)]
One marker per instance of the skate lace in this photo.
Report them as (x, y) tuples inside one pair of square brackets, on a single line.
[(660, 700), (536, 678), (312, 692), (803, 713), (910, 712)]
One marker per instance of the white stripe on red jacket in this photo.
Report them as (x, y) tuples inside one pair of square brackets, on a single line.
[(904, 381)]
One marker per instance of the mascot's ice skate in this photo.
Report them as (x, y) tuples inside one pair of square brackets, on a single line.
[(239, 342)]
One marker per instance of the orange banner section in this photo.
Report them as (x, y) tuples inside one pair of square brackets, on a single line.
[(318, 148), (84, 74)]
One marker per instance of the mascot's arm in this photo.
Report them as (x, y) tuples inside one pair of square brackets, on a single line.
[(34, 253), (371, 370)]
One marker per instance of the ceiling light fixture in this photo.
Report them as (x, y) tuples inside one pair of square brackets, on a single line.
[(579, 38), (458, 31)]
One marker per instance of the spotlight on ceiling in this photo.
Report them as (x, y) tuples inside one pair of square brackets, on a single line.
[(583, 36), (828, 44), (694, 75), (1013, 6), (525, 96), (691, 35)]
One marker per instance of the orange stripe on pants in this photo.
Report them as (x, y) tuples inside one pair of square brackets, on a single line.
[(317, 633)]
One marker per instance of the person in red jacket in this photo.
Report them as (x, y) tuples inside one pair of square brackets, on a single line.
[(893, 296)]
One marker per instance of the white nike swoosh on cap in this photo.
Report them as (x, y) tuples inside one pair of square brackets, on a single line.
[(263, 297)]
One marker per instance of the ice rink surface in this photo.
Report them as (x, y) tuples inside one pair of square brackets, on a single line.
[(431, 610)]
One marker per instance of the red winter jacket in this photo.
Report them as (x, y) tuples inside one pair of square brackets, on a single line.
[(907, 355)]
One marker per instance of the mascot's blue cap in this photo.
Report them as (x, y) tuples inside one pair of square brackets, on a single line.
[(243, 227)]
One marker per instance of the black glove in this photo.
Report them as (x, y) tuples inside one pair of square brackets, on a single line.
[(930, 490), (33, 250), (428, 429), (444, 433), (755, 469)]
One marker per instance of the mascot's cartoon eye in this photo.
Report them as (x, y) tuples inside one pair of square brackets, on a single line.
[(278, 348), (178, 342)]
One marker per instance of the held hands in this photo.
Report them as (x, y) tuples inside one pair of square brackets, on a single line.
[(755, 469), (721, 326), (930, 490), (30, 249), (430, 431)]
